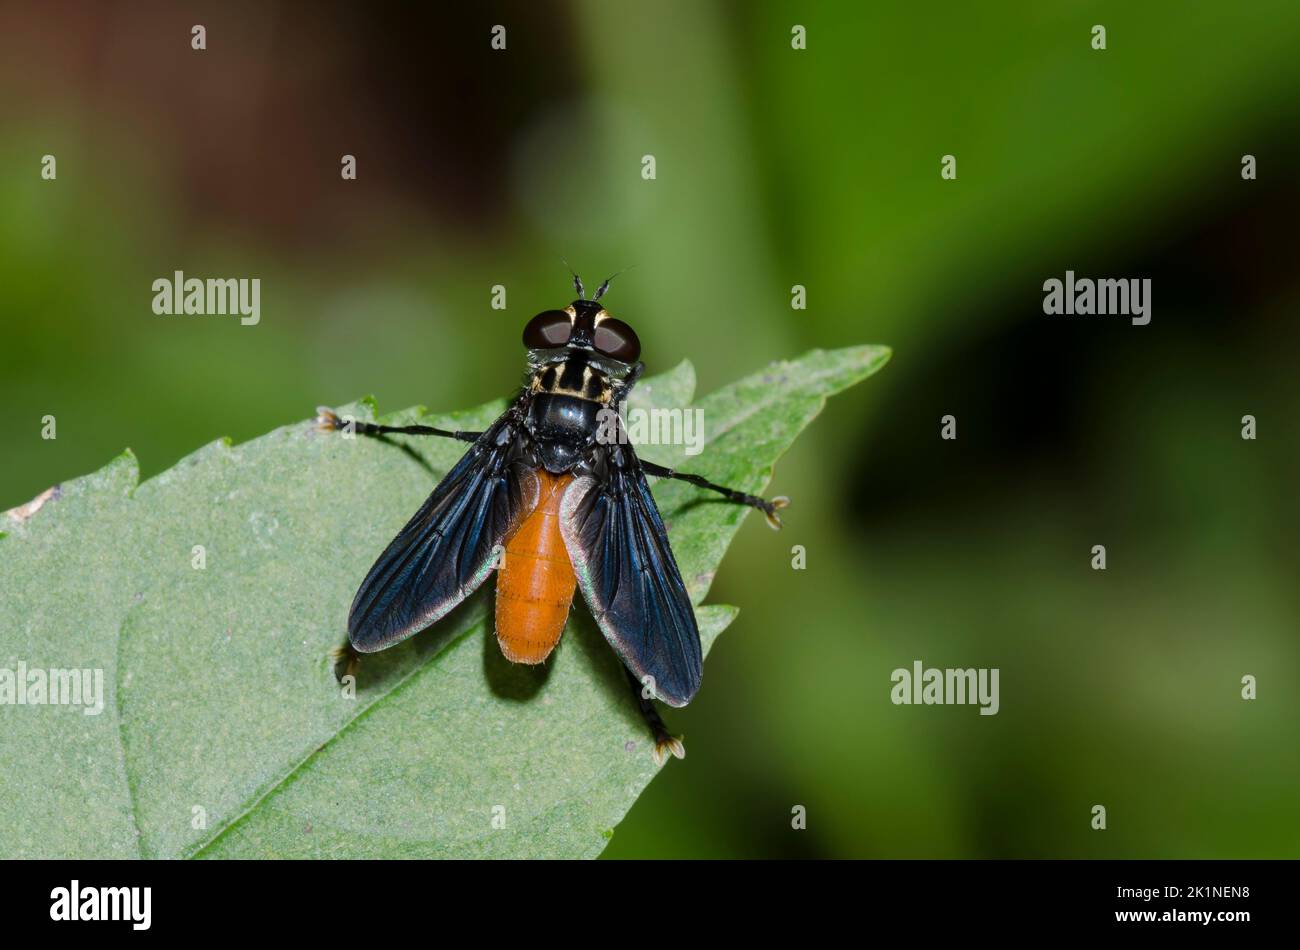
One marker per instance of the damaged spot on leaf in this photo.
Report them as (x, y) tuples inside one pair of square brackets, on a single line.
[(23, 513)]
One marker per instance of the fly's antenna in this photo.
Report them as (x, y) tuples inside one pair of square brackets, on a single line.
[(600, 291), (577, 281)]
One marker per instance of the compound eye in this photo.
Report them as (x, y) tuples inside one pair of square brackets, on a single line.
[(617, 340), (548, 329)]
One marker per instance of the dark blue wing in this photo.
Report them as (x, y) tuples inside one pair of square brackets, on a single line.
[(619, 549), (448, 548)]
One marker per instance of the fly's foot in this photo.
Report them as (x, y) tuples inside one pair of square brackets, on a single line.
[(771, 508), (666, 745), (327, 420), (346, 661)]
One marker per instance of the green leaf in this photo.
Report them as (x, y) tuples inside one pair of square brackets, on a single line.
[(223, 733)]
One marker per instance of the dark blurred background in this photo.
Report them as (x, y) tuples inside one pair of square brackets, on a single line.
[(774, 167)]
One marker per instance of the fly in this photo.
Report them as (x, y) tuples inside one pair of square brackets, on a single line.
[(559, 505)]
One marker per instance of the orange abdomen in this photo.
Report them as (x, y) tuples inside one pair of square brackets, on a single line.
[(535, 584)]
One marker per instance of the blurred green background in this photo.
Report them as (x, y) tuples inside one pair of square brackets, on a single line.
[(775, 167)]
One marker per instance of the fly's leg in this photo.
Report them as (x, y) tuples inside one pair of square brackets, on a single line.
[(665, 743), (329, 421), (345, 658), (769, 508)]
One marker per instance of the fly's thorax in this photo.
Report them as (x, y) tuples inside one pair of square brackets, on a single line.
[(563, 428), (573, 376)]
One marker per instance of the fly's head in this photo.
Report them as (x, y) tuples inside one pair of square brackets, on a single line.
[(581, 351)]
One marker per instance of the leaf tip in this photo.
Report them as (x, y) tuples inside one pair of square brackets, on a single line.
[(687, 369), (129, 467), (869, 355)]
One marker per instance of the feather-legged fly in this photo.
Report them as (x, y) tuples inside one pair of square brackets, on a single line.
[(555, 504)]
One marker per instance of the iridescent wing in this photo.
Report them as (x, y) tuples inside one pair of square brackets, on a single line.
[(448, 548), (625, 568)]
